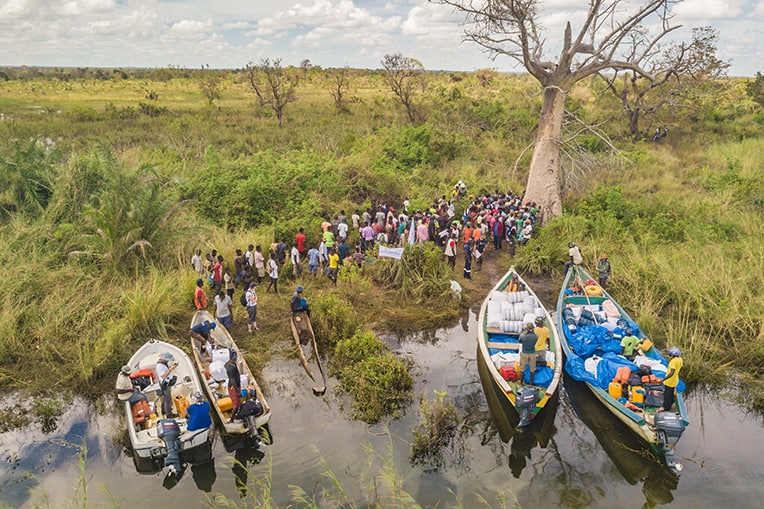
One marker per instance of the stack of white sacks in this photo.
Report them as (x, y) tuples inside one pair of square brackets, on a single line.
[(509, 311)]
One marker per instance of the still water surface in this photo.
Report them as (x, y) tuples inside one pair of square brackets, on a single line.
[(576, 456)]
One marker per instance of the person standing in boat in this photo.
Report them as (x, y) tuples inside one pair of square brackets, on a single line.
[(603, 270), (164, 367), (672, 377), (527, 341), (126, 391), (542, 331), (234, 380), (574, 257)]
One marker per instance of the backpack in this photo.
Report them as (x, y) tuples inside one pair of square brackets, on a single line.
[(243, 299)]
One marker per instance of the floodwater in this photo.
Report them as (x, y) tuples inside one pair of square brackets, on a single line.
[(574, 456)]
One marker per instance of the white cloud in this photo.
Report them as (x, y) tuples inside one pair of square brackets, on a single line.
[(694, 10), (190, 27)]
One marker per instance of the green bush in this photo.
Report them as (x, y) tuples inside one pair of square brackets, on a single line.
[(380, 385), (354, 349), (421, 274), (333, 318)]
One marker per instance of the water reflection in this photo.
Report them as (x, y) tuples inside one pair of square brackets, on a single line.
[(244, 459), (634, 461), (505, 418)]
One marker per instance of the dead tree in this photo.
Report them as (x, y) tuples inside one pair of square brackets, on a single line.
[(513, 28), (673, 75), (339, 88), (273, 85)]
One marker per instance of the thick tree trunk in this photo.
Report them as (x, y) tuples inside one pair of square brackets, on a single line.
[(544, 176)]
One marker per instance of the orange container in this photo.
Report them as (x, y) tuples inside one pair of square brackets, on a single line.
[(224, 404), (181, 404)]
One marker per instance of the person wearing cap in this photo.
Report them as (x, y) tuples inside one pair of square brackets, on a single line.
[(251, 297), (201, 334), (603, 270), (198, 413), (126, 391), (164, 367), (527, 340), (200, 297), (671, 380), (298, 302)]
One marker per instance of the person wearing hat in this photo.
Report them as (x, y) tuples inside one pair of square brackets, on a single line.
[(198, 413), (671, 380), (200, 297), (298, 303), (251, 296), (201, 333), (603, 270), (528, 340), (126, 391), (164, 367)]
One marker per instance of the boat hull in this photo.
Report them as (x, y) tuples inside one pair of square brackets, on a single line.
[(492, 341), (234, 431), (146, 445), (639, 422)]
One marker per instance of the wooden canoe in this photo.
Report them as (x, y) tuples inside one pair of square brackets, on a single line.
[(640, 418), (235, 430), (304, 337), (498, 332)]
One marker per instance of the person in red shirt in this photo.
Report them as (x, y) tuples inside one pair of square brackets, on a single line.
[(300, 239), (217, 273), (200, 297)]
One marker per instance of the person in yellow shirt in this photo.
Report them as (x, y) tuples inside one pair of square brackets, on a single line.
[(672, 377), (543, 333), (334, 262)]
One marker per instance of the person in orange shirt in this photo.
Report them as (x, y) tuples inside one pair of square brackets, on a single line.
[(200, 297), (467, 233)]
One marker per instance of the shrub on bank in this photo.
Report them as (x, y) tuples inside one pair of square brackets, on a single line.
[(379, 382)]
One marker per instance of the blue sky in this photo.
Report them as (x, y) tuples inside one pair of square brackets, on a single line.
[(330, 33)]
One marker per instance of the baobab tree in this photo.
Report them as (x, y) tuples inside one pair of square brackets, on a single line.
[(513, 28)]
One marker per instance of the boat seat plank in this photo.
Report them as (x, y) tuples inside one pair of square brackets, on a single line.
[(503, 346)]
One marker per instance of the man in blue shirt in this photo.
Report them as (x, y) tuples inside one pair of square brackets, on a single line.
[(198, 413)]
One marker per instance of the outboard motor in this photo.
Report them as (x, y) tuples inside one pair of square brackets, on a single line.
[(526, 401), (250, 410), (669, 427), (169, 431)]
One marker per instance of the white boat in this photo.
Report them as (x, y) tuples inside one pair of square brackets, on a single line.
[(237, 430), (158, 440)]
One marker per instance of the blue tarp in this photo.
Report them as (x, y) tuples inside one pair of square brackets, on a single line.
[(542, 377)]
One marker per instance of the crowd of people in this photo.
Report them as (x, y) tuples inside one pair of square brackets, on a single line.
[(496, 218)]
